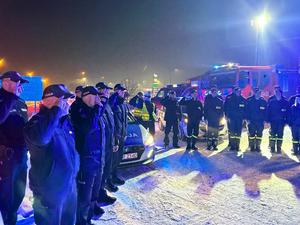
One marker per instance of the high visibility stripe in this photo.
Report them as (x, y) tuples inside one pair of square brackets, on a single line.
[(194, 136)]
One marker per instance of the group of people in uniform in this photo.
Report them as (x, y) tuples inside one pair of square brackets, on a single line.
[(255, 112), (74, 151)]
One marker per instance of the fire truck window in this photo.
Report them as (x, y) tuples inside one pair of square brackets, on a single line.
[(223, 81)]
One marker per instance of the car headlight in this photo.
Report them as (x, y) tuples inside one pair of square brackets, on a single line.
[(186, 120), (149, 141), (223, 121)]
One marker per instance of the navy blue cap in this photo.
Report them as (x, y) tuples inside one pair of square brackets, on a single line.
[(89, 90), (102, 85), (78, 89), (119, 87), (57, 90), (13, 76)]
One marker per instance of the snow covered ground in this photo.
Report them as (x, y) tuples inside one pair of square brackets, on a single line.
[(206, 188)]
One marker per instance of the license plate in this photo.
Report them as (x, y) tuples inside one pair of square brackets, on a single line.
[(130, 156)]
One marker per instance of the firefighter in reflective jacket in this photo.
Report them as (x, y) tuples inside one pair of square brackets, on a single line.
[(194, 109), (213, 113), (277, 112), (256, 114), (234, 109)]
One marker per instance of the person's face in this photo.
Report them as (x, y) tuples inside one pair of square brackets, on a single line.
[(258, 94), (173, 95), (89, 100), (277, 92), (12, 86), (121, 93), (238, 92), (78, 94), (194, 95), (214, 92)]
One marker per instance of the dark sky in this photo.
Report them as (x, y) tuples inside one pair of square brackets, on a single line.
[(135, 38)]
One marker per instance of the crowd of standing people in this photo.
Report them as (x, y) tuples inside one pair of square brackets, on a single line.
[(75, 150)]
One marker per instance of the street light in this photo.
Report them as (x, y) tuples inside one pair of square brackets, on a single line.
[(30, 73), (260, 23)]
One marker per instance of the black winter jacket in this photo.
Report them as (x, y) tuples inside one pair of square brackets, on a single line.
[(54, 159), (256, 109)]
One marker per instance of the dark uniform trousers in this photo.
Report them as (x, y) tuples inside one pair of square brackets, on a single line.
[(13, 175), (88, 185), (62, 213), (276, 134), (235, 126), (296, 138), (117, 158), (171, 124), (107, 167), (212, 133), (255, 129), (192, 133)]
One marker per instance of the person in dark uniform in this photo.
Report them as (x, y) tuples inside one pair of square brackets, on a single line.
[(234, 108), (213, 113), (54, 159), (74, 109), (172, 116), (293, 98), (120, 110), (294, 122), (13, 153), (277, 114), (90, 144), (194, 109), (151, 110), (103, 198), (256, 114)]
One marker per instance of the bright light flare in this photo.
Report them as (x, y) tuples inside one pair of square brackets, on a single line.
[(260, 22)]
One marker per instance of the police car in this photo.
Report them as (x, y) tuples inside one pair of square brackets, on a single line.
[(139, 144)]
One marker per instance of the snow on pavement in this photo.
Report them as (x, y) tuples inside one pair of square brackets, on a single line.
[(206, 188)]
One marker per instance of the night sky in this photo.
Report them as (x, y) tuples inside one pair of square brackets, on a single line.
[(132, 39)]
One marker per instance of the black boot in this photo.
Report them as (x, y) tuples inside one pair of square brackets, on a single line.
[(105, 200), (252, 144), (279, 144), (258, 143), (272, 145), (98, 212), (118, 181), (111, 187), (295, 148), (194, 140), (215, 144), (188, 145)]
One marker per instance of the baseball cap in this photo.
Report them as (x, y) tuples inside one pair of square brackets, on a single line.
[(78, 89), (102, 85), (89, 90), (119, 87), (57, 90), (13, 76)]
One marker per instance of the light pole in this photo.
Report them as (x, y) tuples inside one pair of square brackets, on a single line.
[(259, 23)]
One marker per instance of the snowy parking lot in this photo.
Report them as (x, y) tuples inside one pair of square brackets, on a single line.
[(209, 188)]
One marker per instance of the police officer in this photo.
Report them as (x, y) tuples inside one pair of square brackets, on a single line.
[(256, 114), (74, 109), (103, 198), (54, 159), (294, 121), (137, 102), (90, 144), (194, 109), (151, 110), (293, 98), (234, 108), (213, 113), (277, 114), (13, 153), (172, 116), (120, 110)]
